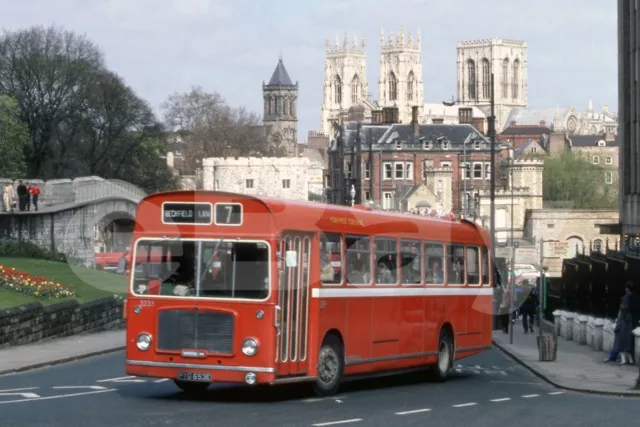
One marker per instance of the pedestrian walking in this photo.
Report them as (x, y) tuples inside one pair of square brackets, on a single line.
[(623, 341), (529, 306), (7, 197)]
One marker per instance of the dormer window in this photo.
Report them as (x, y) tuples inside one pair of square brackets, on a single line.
[(445, 145), (476, 144), (602, 143), (398, 144), (426, 145)]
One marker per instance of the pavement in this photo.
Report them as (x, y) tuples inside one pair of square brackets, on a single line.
[(484, 391), (577, 367)]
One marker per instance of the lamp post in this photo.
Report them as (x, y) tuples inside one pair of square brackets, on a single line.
[(353, 195), (512, 283)]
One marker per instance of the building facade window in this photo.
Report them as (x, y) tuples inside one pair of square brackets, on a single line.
[(410, 86), (608, 160), (367, 170), (608, 177), (472, 84), (408, 171), (477, 171), (487, 171), (399, 171), (387, 200), (355, 89), (596, 160), (516, 78), (248, 183), (505, 78), (465, 171), (393, 87), (286, 183), (486, 79), (388, 170), (338, 90)]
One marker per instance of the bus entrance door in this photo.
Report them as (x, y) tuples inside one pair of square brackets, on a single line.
[(292, 318)]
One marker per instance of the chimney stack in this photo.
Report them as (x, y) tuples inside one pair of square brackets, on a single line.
[(465, 116), (543, 124), (513, 123), (478, 124), (414, 120)]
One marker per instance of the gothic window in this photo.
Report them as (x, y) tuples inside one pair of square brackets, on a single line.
[(286, 107), (486, 79), (278, 105), (393, 87), (471, 71), (505, 77), (338, 90), (266, 107), (516, 76), (293, 107), (272, 105), (355, 86), (410, 86)]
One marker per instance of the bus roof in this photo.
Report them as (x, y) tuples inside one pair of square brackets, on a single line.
[(308, 215)]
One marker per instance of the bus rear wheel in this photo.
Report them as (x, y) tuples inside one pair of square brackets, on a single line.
[(330, 367), (440, 371), (192, 388)]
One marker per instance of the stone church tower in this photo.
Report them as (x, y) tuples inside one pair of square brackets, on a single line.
[(400, 83), (508, 61), (345, 80), (280, 111)]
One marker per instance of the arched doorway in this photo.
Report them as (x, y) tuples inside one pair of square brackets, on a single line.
[(113, 232), (576, 245)]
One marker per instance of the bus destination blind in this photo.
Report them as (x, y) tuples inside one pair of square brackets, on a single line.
[(186, 213)]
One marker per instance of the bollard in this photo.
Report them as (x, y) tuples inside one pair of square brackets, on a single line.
[(598, 324), (636, 346), (590, 330), (582, 329), (607, 336), (557, 322), (568, 325)]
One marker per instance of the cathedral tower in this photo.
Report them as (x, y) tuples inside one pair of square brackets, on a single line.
[(345, 80), (400, 81), (508, 61), (280, 111)]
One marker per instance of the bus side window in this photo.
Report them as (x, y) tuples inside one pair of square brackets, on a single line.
[(386, 258), (473, 265), (485, 266), (411, 265), (330, 259), (358, 260), (434, 263), (456, 270)]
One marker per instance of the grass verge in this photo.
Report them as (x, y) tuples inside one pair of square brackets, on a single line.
[(88, 284)]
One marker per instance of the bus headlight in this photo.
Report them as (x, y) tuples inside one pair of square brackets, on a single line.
[(250, 347), (143, 342)]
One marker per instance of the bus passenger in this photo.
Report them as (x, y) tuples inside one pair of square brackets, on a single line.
[(384, 274), (327, 274), (436, 272), (358, 273)]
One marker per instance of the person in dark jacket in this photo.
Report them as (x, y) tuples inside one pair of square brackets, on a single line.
[(22, 193), (623, 342), (529, 306)]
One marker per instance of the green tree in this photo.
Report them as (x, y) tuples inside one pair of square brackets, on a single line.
[(13, 140), (569, 179)]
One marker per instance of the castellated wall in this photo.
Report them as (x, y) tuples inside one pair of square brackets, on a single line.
[(285, 178)]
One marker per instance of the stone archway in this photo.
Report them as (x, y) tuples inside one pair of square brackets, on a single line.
[(576, 245), (112, 233)]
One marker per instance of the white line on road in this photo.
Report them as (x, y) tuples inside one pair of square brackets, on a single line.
[(130, 379), (335, 423), (92, 387), (527, 396), (415, 411), (162, 380), (23, 394), (510, 382), (556, 392), (504, 399), (462, 405), (19, 389), (323, 399), (58, 397)]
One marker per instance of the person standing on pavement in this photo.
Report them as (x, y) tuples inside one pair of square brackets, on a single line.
[(623, 341), (21, 192), (529, 306), (505, 307), (7, 197), (35, 193)]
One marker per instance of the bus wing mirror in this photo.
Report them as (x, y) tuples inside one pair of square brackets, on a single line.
[(291, 259)]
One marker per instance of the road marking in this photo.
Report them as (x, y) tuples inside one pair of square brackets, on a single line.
[(527, 396), (19, 389), (162, 380), (130, 379), (335, 423), (556, 392), (504, 399), (323, 399), (92, 387), (462, 405), (26, 395), (58, 397), (416, 411)]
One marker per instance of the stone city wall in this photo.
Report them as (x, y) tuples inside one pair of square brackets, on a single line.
[(34, 322)]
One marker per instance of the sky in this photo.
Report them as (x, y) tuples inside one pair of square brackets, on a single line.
[(165, 46)]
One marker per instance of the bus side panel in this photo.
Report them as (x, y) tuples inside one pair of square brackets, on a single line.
[(480, 308), (386, 334), (435, 315), (359, 332), (458, 309), (332, 314), (411, 325)]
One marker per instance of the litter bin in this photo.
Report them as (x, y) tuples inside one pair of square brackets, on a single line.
[(547, 348)]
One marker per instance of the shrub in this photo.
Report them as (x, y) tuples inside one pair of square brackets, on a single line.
[(17, 249)]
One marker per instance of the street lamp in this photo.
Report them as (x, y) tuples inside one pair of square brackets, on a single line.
[(353, 195)]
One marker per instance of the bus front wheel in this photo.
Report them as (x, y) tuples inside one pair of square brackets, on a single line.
[(443, 364), (330, 367), (192, 388)]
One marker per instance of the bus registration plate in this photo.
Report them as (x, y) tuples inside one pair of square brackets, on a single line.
[(194, 376)]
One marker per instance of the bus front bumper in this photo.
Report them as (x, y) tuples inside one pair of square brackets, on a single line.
[(216, 373)]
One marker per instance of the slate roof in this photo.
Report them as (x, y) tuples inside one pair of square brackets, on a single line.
[(280, 77), (526, 130), (531, 116), (386, 135), (592, 141)]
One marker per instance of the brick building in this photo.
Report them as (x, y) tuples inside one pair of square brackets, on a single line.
[(397, 159)]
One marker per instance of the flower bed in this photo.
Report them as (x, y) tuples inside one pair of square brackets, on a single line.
[(38, 287)]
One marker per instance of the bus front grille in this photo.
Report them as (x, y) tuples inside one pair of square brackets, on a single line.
[(200, 330)]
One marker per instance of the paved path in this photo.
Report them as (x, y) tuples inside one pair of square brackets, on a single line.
[(43, 353), (576, 367), (484, 391)]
